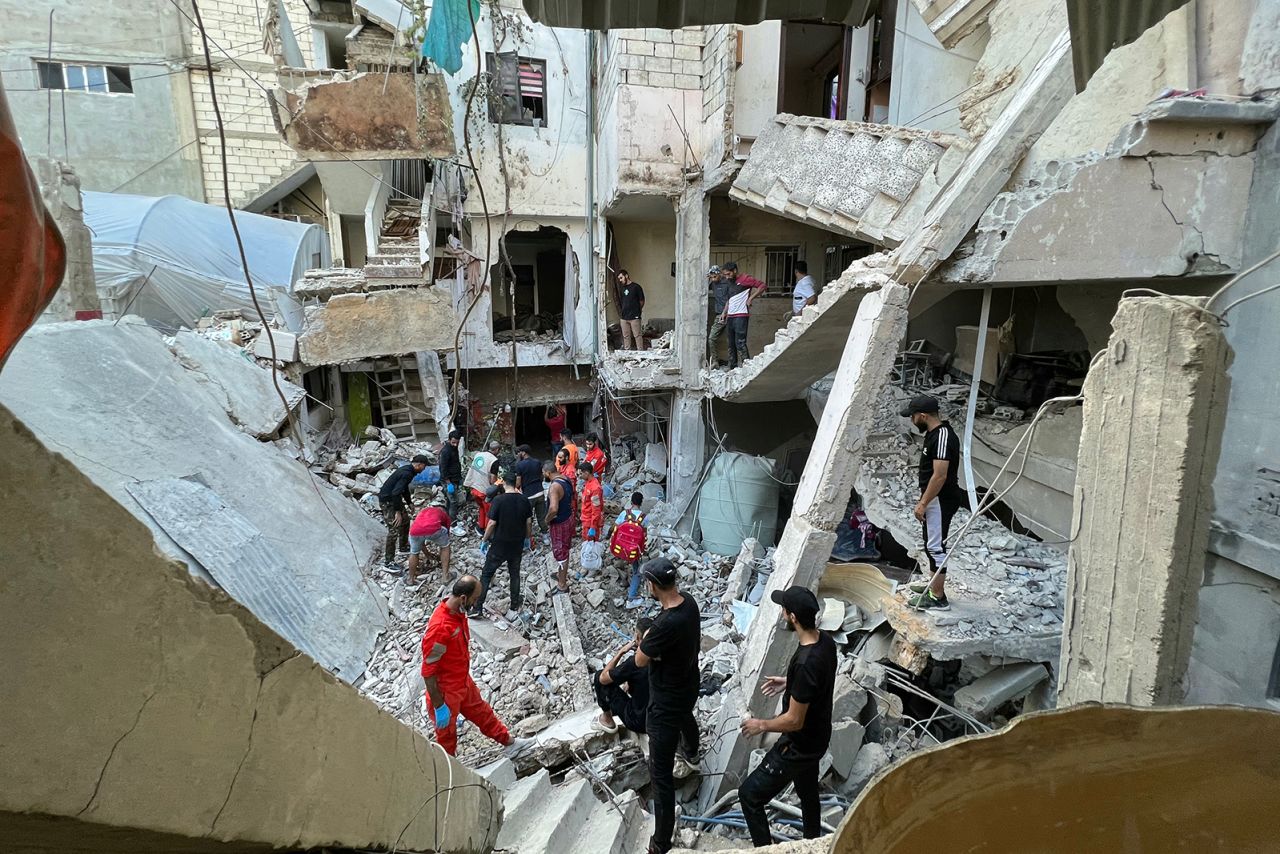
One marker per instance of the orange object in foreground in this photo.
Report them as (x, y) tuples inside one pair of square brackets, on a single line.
[(32, 254)]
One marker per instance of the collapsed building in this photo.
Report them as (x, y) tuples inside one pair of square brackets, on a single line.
[(991, 212)]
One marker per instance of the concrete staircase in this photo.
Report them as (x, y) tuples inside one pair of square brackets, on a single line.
[(397, 261), (541, 818), (808, 347)]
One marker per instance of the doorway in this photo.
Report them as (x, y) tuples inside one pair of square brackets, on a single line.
[(812, 78), (531, 427)]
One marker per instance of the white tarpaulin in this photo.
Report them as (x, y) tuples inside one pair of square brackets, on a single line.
[(186, 253)]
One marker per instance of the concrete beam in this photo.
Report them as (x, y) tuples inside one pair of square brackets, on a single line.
[(383, 323), (988, 692), (1153, 412), (688, 443), (693, 251), (820, 500), (146, 710)]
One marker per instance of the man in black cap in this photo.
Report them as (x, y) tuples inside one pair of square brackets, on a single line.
[(393, 500), (451, 473), (670, 652), (805, 722), (940, 496)]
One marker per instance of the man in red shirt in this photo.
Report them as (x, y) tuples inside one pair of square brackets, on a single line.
[(743, 290), (430, 525), (446, 669), (592, 503), (595, 455)]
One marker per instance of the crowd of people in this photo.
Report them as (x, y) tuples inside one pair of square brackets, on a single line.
[(650, 685)]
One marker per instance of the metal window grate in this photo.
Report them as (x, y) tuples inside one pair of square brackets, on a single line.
[(102, 79), (521, 84)]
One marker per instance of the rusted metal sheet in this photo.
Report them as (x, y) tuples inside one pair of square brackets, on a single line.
[(1087, 778)]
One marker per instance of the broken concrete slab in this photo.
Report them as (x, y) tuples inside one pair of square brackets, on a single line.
[(988, 692), (249, 397), (350, 327), (122, 406), (104, 749), (968, 629), (569, 738), (567, 625), (503, 643), (286, 344), (846, 743), (1134, 575)]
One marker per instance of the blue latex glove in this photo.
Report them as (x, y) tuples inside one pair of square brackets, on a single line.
[(527, 544), (442, 716), (449, 489), (591, 533), (484, 547)]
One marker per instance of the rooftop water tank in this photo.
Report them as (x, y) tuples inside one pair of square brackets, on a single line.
[(738, 500)]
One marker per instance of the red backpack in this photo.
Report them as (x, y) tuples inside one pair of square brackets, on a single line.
[(629, 539)]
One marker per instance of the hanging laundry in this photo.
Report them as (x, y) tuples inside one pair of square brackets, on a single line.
[(447, 30)]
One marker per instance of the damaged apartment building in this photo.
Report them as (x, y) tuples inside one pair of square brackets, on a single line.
[(1058, 219)]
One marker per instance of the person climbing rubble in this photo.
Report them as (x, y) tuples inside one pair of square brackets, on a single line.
[(507, 536), (940, 496), (622, 689), (529, 479), (446, 670), (559, 521), (394, 502), (430, 525), (805, 723), (451, 473), (592, 503), (627, 542), (595, 455), (670, 652)]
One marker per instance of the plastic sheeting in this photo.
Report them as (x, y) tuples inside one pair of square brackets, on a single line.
[(186, 253)]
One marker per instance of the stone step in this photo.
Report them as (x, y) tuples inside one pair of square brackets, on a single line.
[(393, 271), (615, 830), (555, 820), (397, 250)]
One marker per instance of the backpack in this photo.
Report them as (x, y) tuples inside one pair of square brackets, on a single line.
[(629, 539)]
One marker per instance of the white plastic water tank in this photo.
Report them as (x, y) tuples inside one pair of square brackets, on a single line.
[(739, 499)]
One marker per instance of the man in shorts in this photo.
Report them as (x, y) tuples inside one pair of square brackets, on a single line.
[(560, 521), (431, 525)]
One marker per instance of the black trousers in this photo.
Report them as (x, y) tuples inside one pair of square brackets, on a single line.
[(666, 730), (617, 702), (778, 768), (738, 340), (500, 553)]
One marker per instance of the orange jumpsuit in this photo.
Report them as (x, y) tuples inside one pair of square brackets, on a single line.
[(446, 655)]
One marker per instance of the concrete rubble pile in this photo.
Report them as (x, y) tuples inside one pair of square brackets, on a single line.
[(359, 470)]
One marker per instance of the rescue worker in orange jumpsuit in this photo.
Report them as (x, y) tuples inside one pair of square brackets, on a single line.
[(595, 455), (446, 669), (592, 502)]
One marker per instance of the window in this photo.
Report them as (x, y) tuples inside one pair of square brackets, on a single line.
[(520, 90), (85, 78), (779, 267)]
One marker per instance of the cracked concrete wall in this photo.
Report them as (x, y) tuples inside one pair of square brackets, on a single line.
[(140, 701), (1153, 411), (350, 327)]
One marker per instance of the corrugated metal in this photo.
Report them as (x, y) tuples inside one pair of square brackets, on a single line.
[(675, 14), (239, 558), (1100, 26)]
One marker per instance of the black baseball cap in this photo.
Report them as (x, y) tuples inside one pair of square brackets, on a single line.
[(919, 403), (796, 599), (660, 571)]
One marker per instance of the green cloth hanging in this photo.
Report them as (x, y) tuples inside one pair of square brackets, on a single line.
[(447, 30)]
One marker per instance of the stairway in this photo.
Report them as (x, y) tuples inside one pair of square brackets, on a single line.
[(808, 347), (397, 262), (541, 818)]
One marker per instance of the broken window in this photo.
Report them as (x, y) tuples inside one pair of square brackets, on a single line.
[(85, 78), (529, 287), (519, 89), (880, 84), (810, 78)]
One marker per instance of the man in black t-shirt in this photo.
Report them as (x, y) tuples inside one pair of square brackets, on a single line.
[(506, 536), (670, 652), (393, 500), (940, 496), (630, 307), (805, 722), (622, 689), (529, 479)]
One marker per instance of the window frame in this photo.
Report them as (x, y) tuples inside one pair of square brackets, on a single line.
[(113, 78), (492, 68)]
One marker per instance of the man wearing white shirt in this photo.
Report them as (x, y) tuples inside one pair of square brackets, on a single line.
[(805, 292)]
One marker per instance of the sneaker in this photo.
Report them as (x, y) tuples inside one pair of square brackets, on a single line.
[(919, 586), (512, 615), (684, 767), (927, 601), (458, 530), (609, 728), (519, 748), (392, 567), (632, 604), (476, 614)]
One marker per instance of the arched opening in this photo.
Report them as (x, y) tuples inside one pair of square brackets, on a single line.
[(529, 285)]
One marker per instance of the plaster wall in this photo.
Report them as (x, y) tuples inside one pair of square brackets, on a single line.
[(177, 711), (1237, 637), (647, 250), (1220, 31), (755, 84), (927, 79), (114, 141)]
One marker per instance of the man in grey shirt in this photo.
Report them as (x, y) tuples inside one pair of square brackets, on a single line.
[(719, 285)]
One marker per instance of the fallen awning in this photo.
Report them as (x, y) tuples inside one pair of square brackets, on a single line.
[(676, 14)]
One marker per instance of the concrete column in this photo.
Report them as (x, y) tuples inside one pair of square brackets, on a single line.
[(77, 296), (1153, 412), (688, 444), (821, 497), (693, 254)]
